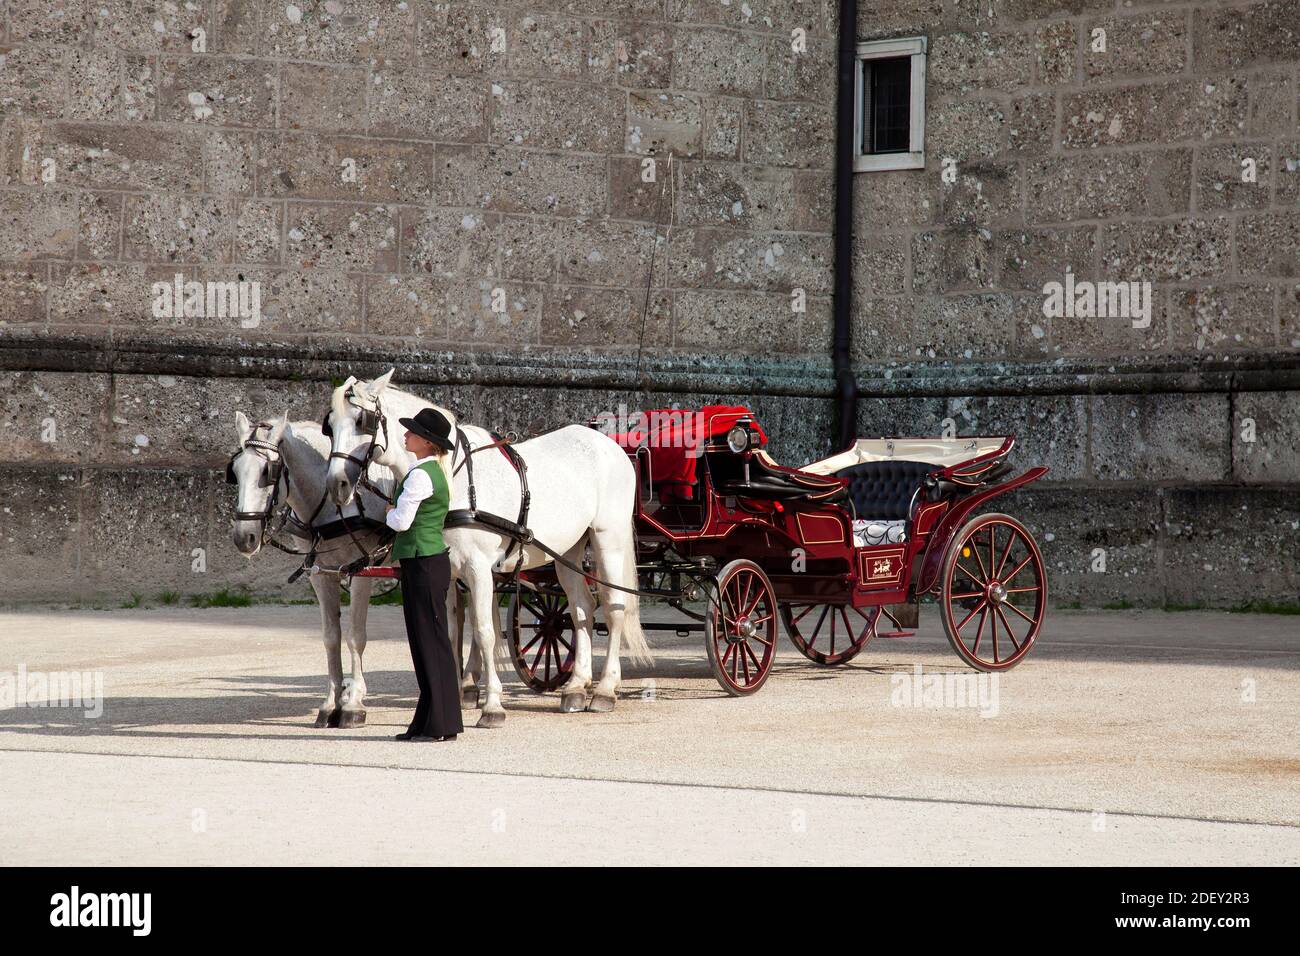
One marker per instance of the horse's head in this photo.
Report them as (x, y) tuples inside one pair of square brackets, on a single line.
[(358, 433), (255, 469)]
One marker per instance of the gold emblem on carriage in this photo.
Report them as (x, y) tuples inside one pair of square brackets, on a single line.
[(882, 568)]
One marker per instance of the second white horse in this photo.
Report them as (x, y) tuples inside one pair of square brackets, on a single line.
[(583, 495)]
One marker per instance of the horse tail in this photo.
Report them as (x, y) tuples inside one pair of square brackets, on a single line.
[(638, 650)]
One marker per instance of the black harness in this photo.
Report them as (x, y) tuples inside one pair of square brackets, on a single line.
[(517, 531), (372, 421)]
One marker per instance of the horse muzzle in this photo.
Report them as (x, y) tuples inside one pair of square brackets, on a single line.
[(247, 536), (341, 490)]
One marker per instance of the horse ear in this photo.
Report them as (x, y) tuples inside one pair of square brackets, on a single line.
[(376, 387), (277, 430), (243, 427)]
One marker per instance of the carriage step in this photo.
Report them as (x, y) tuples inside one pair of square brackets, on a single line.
[(378, 573), (890, 635)]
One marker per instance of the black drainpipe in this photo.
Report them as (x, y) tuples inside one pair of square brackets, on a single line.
[(846, 384)]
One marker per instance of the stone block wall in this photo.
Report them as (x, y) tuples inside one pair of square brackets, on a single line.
[(387, 172), (462, 190), (1103, 138), (381, 167)]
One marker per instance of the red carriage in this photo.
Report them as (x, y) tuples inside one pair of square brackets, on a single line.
[(832, 548)]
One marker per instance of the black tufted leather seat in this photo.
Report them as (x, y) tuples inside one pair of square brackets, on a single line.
[(883, 489)]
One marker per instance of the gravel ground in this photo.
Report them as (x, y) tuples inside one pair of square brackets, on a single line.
[(1126, 737)]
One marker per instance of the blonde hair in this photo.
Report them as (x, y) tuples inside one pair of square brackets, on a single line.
[(444, 461)]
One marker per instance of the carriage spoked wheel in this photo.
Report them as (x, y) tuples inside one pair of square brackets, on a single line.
[(830, 634), (740, 628), (541, 639), (994, 592)]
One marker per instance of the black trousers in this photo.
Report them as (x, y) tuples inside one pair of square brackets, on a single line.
[(424, 604)]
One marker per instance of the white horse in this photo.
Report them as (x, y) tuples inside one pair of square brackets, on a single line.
[(583, 495), (302, 451)]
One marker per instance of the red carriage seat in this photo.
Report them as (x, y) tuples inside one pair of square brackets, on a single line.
[(676, 438)]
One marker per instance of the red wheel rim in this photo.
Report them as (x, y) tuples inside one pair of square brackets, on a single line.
[(830, 633), (543, 646), (995, 594), (744, 629)]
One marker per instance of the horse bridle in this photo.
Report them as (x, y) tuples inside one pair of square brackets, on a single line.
[(304, 529), (368, 422), (270, 477)]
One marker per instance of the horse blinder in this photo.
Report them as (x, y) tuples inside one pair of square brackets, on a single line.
[(270, 477), (367, 421), (274, 469)]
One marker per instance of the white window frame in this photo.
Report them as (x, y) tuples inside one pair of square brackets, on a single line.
[(914, 158)]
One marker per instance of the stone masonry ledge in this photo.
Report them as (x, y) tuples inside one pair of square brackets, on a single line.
[(33, 350), (46, 350)]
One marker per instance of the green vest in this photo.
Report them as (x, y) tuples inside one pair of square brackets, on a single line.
[(424, 536)]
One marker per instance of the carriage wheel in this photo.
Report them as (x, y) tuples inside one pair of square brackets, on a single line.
[(541, 639), (740, 628), (994, 592), (829, 634)]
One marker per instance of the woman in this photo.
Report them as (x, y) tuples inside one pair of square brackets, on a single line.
[(423, 497)]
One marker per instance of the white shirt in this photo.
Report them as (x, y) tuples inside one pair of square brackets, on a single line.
[(416, 488)]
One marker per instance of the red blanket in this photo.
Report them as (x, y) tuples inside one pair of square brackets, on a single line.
[(676, 437)]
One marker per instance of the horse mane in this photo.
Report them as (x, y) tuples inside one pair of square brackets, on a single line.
[(339, 404)]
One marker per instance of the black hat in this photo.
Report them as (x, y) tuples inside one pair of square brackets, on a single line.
[(431, 425)]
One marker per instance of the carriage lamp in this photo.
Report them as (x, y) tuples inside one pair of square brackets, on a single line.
[(738, 439)]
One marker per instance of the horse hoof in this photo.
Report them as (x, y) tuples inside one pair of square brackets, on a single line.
[(469, 698), (572, 703), (335, 716), (323, 717), (600, 704), (491, 718), (352, 718)]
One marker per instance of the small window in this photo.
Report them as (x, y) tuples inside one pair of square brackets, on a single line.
[(889, 125)]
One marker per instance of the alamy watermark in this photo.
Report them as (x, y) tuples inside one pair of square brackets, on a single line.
[(75, 908), (1098, 300), (945, 691), (208, 300), (53, 689)]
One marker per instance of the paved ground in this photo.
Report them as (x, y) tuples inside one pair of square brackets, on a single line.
[(1143, 738)]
